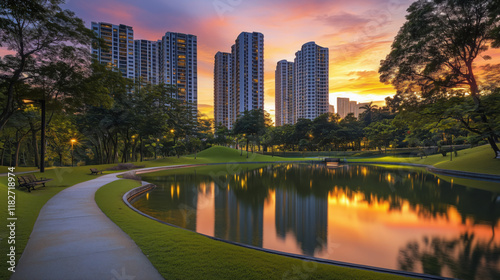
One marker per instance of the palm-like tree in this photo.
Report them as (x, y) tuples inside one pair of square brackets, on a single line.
[(368, 110)]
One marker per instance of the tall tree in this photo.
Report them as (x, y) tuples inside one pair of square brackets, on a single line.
[(38, 32), (435, 51)]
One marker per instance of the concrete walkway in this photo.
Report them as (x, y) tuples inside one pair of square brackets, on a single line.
[(73, 239)]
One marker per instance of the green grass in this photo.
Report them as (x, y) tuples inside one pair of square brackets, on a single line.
[(28, 205), (182, 254), (478, 159)]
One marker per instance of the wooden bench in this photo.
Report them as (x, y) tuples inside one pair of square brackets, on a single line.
[(30, 181), (95, 171)]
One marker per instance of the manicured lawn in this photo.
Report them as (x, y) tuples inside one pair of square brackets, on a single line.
[(478, 159), (182, 254)]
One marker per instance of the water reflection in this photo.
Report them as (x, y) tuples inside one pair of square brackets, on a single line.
[(463, 257), (363, 214), (304, 216), (238, 220)]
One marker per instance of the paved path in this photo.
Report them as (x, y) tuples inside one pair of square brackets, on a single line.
[(73, 239)]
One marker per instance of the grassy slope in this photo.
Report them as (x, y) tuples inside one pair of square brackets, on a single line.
[(478, 159), (181, 254)]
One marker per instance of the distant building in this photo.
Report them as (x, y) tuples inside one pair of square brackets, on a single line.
[(353, 108), (311, 81), (284, 94), (247, 91), (222, 87), (119, 54), (331, 109), (147, 61), (343, 106), (171, 60), (179, 68)]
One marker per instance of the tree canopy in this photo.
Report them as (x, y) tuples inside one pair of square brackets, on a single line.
[(50, 50), (434, 52)]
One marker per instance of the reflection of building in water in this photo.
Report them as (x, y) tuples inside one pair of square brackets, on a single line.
[(305, 216), (238, 221)]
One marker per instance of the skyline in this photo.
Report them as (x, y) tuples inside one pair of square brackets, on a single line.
[(358, 34)]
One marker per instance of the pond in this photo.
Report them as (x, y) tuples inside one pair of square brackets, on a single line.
[(396, 218)]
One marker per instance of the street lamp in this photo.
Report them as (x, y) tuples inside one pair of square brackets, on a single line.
[(73, 141), (42, 152), (172, 131)]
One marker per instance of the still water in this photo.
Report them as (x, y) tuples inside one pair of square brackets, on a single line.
[(397, 218)]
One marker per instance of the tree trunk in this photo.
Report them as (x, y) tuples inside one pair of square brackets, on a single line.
[(480, 110), (3, 153), (35, 147), (141, 148), (18, 147)]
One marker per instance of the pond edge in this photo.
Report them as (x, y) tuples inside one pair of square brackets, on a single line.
[(135, 192)]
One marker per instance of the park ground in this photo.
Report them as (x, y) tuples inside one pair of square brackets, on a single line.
[(178, 253)]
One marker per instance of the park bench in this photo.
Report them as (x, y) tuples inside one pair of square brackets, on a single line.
[(95, 171), (30, 181)]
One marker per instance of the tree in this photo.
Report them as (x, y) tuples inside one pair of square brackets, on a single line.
[(381, 133), (368, 111), (252, 124), (38, 32), (435, 51)]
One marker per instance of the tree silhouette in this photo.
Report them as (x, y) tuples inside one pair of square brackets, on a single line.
[(435, 50)]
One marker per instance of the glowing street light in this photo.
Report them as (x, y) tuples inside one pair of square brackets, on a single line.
[(73, 141)]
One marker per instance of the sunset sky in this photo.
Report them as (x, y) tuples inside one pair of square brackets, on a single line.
[(358, 34)]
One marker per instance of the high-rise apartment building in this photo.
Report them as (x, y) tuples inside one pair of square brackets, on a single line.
[(331, 109), (178, 65), (353, 108), (119, 54), (147, 62), (311, 81), (222, 87), (343, 106), (283, 90), (247, 74)]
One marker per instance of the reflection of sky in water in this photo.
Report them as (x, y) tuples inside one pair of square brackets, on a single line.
[(386, 217)]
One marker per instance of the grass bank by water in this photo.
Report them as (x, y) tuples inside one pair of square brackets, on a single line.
[(478, 159)]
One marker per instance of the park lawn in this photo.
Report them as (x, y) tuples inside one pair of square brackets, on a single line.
[(28, 205), (478, 159), (182, 254)]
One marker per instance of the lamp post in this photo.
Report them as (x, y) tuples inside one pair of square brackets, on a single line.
[(173, 133), (42, 137), (73, 141)]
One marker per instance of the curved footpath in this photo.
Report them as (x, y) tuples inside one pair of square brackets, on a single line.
[(73, 239)]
